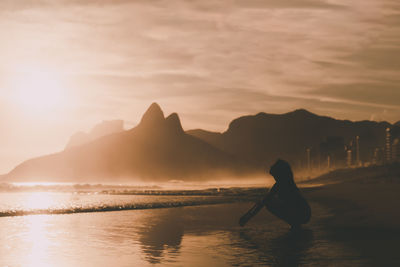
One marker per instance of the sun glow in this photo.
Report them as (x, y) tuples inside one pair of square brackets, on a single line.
[(39, 91), (38, 201), (38, 240)]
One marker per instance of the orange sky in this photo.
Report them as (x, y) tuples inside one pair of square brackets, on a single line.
[(69, 64)]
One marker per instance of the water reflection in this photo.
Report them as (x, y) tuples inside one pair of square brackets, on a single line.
[(277, 248), (37, 241), (162, 235), (291, 248), (192, 236)]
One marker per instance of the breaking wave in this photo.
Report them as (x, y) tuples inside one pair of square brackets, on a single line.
[(34, 203), (105, 207)]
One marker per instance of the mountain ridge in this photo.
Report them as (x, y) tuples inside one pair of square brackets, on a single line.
[(101, 129), (159, 149), (263, 137), (156, 149)]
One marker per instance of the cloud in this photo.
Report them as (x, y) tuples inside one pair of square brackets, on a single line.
[(368, 94), (377, 58), (210, 61), (286, 4)]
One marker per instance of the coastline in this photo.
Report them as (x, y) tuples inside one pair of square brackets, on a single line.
[(207, 235), (348, 228), (364, 203)]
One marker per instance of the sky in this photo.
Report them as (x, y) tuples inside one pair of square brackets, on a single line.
[(66, 65)]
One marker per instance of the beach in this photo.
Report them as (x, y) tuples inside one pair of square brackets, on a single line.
[(188, 236), (354, 223), (365, 205)]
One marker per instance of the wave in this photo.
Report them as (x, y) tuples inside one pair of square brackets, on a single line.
[(107, 208), (120, 189), (117, 199)]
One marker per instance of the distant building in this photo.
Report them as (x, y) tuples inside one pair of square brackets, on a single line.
[(358, 162), (332, 152), (388, 153), (308, 150), (396, 149), (379, 156), (348, 159)]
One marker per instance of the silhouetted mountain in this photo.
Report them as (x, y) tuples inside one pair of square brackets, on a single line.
[(102, 129), (209, 137), (157, 149), (397, 123), (262, 138), (153, 117)]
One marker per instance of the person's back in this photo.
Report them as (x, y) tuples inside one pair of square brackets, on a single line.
[(284, 199)]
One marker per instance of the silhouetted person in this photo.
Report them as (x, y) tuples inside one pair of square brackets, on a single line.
[(284, 200)]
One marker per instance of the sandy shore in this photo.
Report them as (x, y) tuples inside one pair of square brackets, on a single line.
[(355, 222), (367, 197), (365, 203)]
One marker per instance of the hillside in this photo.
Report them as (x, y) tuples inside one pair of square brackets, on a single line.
[(156, 150), (102, 129), (262, 138)]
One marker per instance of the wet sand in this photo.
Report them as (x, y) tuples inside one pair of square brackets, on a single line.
[(365, 204), (355, 223), (187, 236)]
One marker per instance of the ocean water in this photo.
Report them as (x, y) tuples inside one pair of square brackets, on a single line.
[(174, 229), (35, 199), (33, 203)]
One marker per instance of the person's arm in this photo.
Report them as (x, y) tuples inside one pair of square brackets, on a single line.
[(271, 193), (258, 206), (274, 189)]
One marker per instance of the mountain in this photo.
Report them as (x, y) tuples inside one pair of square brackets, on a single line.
[(156, 150), (262, 138), (209, 137), (102, 129)]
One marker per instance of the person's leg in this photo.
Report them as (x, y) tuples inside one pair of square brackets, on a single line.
[(279, 209), (289, 213)]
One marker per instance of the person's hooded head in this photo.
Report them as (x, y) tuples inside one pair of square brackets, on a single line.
[(282, 172)]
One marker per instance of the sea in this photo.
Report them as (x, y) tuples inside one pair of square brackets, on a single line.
[(119, 225)]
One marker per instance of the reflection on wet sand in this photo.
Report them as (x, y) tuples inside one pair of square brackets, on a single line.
[(161, 235), (38, 241), (190, 236), (282, 248), (291, 248)]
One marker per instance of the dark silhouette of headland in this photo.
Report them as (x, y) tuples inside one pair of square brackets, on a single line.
[(262, 138), (158, 149), (102, 129)]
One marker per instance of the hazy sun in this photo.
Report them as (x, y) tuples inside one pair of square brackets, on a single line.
[(39, 91)]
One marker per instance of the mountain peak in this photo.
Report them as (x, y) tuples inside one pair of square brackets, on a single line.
[(301, 112), (173, 122), (99, 130), (153, 115)]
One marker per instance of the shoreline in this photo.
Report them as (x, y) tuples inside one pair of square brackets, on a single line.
[(354, 222), (197, 236), (365, 217)]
